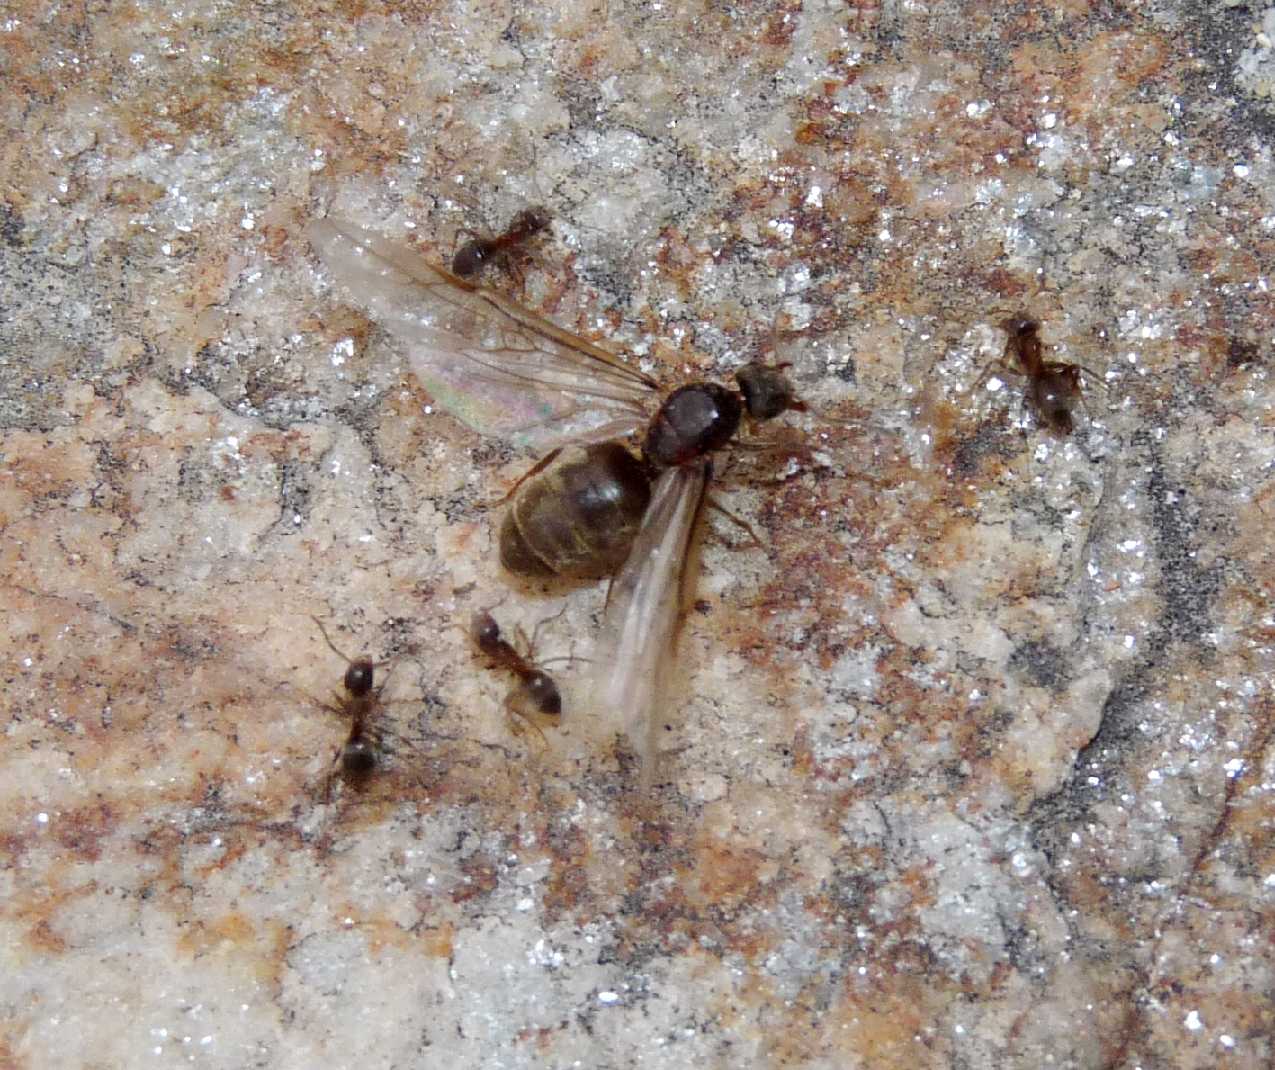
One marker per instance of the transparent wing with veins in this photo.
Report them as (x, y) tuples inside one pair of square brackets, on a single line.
[(634, 655), (496, 367)]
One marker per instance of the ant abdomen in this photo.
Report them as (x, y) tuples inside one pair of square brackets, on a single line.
[(358, 759), (578, 519), (540, 692)]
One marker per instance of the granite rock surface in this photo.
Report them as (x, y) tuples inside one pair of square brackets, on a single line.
[(970, 762)]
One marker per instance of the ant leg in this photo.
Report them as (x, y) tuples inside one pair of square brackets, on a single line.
[(534, 470), (463, 231), (1023, 410), (331, 776), (535, 632), (738, 522), (331, 645), (341, 653), (400, 701), (518, 720), (514, 270), (1094, 377), (758, 444), (1001, 366), (381, 686), (333, 707), (494, 605), (528, 645)]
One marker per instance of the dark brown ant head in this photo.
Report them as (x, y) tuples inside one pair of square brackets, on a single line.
[(1019, 326), (358, 758), (471, 257), (1023, 342), (358, 677), (767, 391), (484, 630), (544, 693)]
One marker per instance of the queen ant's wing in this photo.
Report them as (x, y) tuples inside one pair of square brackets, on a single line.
[(634, 656), (496, 367)]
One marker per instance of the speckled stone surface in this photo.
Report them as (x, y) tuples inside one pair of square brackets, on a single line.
[(972, 764)]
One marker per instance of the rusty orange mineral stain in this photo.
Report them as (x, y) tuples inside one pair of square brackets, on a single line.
[(479, 879), (567, 884), (440, 942), (82, 831), (383, 932), (885, 1028), (233, 929), (38, 910)]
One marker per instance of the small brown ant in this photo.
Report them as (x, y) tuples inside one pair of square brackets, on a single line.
[(535, 699), (360, 703), (475, 254), (1053, 387)]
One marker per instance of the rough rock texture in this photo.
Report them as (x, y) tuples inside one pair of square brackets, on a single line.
[(973, 763)]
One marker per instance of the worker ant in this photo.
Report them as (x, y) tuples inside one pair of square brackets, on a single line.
[(1053, 387), (535, 699), (359, 702), (472, 257)]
